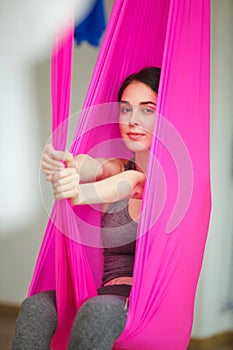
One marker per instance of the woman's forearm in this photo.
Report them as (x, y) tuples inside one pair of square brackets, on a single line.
[(95, 169), (123, 185), (88, 168)]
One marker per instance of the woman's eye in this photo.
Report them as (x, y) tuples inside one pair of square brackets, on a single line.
[(125, 110), (147, 110)]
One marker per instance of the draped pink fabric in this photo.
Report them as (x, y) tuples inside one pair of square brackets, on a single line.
[(173, 34)]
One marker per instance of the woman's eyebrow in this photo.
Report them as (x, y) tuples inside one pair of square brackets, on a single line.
[(147, 103), (141, 103), (125, 102)]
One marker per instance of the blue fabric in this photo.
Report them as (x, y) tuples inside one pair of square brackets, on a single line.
[(92, 27)]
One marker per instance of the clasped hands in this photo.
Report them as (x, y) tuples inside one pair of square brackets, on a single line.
[(103, 181), (60, 169)]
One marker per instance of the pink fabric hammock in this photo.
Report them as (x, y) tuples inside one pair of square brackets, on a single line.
[(173, 34)]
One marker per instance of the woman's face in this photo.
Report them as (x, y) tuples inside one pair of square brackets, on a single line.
[(137, 116)]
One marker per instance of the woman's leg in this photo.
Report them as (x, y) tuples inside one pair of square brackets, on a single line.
[(36, 322), (98, 323)]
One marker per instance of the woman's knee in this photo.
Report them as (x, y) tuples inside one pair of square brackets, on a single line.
[(42, 305), (36, 322), (99, 321), (104, 307)]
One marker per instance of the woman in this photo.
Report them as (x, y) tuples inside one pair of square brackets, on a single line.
[(101, 319)]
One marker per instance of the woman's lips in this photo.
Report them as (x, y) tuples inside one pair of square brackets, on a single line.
[(134, 135)]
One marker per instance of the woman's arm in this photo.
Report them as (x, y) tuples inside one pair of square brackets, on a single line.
[(95, 169), (128, 184), (89, 169)]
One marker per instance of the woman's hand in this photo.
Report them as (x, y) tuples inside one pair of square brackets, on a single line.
[(65, 184), (53, 161)]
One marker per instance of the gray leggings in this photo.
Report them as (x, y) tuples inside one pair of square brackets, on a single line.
[(98, 323)]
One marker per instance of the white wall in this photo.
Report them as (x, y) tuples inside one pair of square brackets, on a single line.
[(28, 101), (28, 78), (19, 247), (20, 242)]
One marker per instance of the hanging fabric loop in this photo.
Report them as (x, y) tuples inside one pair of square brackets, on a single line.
[(173, 34)]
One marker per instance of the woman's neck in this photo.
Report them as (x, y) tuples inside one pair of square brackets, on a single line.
[(141, 160)]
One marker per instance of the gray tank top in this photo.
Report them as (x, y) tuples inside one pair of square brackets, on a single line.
[(119, 234), (119, 240)]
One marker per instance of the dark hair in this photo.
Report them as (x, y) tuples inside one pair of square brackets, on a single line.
[(149, 76)]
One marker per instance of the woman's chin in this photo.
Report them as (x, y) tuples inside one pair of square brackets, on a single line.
[(135, 146)]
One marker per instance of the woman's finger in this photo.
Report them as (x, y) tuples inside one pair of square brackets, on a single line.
[(65, 173), (63, 156), (63, 183), (49, 177), (71, 164), (67, 194), (48, 170), (66, 187), (49, 162), (56, 154), (51, 172)]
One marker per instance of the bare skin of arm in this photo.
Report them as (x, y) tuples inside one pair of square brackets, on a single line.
[(127, 184), (89, 169)]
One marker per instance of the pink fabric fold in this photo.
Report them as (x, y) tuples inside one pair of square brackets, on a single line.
[(173, 34)]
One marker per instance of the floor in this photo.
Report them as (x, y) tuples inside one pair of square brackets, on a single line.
[(7, 325)]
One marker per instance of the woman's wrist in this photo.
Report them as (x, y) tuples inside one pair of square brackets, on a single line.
[(88, 168)]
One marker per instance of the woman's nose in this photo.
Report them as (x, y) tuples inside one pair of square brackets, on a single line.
[(133, 120)]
